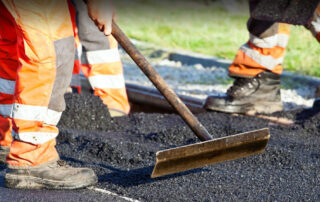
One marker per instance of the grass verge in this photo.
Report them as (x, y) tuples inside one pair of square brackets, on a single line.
[(216, 29)]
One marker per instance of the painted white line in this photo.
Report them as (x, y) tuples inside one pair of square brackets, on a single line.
[(112, 194)]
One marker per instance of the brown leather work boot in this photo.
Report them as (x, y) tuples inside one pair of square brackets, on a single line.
[(259, 94), (53, 175), (4, 151)]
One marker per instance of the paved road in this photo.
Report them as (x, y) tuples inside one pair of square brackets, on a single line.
[(121, 151)]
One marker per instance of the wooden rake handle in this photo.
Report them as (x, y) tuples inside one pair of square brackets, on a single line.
[(160, 84)]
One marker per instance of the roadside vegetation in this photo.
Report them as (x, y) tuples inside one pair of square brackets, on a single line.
[(209, 27)]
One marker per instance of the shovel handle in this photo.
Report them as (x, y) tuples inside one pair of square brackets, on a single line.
[(160, 84)]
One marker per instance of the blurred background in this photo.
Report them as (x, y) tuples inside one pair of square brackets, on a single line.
[(211, 27)]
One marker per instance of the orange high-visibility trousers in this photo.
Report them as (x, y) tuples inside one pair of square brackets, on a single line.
[(266, 47), (76, 79), (100, 62), (42, 57), (9, 64)]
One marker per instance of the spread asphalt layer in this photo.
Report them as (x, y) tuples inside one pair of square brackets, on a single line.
[(122, 153)]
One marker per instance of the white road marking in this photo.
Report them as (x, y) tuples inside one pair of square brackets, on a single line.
[(112, 194)]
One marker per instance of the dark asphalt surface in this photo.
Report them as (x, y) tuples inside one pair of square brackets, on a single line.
[(122, 152)]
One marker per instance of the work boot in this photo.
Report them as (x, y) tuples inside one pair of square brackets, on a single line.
[(53, 175), (4, 151), (260, 94), (316, 104)]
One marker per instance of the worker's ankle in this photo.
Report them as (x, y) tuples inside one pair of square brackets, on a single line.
[(19, 165)]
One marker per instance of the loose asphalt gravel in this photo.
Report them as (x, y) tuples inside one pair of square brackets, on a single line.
[(122, 153)]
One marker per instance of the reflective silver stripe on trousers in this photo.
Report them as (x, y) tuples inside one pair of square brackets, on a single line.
[(280, 40), (34, 137), (7, 86), (315, 29), (266, 61), (103, 56), (107, 81), (6, 110), (35, 113), (79, 50), (77, 54)]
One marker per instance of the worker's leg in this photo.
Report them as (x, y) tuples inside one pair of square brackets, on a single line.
[(9, 64), (76, 79), (46, 60), (314, 27), (314, 24), (105, 68), (263, 52), (256, 69)]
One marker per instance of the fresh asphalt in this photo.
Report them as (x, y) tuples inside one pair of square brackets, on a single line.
[(122, 152)]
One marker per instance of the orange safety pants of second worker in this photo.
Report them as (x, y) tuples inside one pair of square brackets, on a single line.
[(37, 40), (266, 47), (99, 60), (106, 77), (264, 52)]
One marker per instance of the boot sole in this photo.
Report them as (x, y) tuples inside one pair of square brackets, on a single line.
[(259, 107), (30, 182)]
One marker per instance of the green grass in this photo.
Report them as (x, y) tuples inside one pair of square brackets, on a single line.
[(208, 29)]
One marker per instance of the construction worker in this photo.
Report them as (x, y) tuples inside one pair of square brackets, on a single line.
[(100, 63), (36, 60), (257, 68)]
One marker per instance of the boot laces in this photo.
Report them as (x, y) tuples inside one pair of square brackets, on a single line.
[(239, 83), (61, 163)]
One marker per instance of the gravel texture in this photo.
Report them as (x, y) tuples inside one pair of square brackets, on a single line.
[(122, 152)]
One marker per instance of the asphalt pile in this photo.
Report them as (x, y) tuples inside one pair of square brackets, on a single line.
[(122, 153)]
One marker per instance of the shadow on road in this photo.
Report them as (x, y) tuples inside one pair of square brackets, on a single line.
[(140, 176), (307, 114), (1, 181), (133, 177)]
